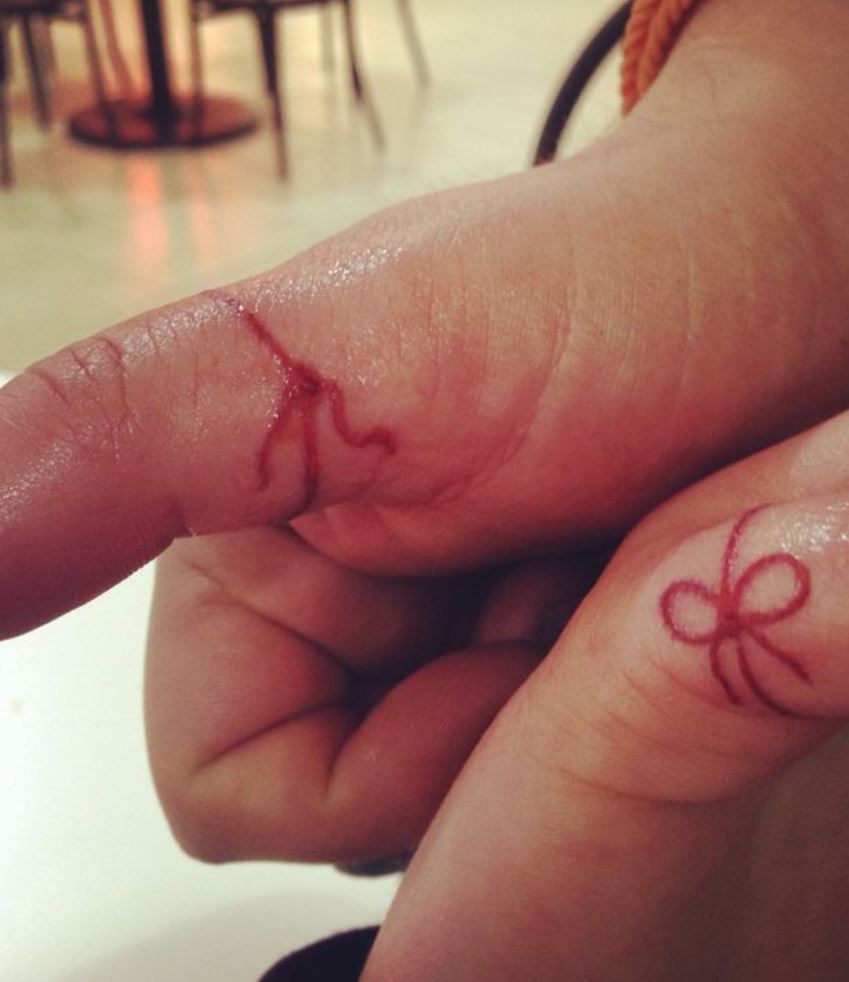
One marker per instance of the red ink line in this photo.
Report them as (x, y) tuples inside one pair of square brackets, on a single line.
[(730, 553), (733, 623), (377, 436), (310, 453), (719, 673), (302, 389), (786, 659), (800, 573), (757, 687)]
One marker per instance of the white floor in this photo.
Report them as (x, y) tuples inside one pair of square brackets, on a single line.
[(92, 886)]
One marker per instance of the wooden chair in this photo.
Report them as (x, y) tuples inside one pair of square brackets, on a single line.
[(411, 36), (265, 13), (32, 16)]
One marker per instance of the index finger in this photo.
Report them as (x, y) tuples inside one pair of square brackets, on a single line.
[(433, 398), (189, 419), (343, 377), (377, 371)]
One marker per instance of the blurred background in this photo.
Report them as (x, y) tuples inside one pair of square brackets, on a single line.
[(91, 885), (90, 235)]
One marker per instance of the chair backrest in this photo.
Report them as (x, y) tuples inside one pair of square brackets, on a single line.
[(44, 7)]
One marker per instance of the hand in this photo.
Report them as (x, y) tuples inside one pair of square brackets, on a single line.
[(527, 365), (676, 768), (665, 797)]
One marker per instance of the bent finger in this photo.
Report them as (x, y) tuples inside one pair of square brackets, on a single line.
[(289, 713), (279, 752)]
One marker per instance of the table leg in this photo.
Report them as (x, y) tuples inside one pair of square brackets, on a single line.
[(161, 118), (36, 71)]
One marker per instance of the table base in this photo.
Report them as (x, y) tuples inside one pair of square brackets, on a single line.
[(194, 123)]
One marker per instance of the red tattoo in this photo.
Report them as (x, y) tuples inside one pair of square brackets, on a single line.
[(733, 623), (301, 391)]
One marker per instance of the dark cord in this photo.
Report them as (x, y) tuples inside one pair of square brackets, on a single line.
[(604, 41)]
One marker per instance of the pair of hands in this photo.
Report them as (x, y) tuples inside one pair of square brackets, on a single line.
[(639, 778)]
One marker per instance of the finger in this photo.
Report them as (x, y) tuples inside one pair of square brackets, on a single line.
[(373, 625), (154, 430), (254, 628), (429, 400), (271, 668), (263, 743), (337, 784), (534, 600), (700, 666)]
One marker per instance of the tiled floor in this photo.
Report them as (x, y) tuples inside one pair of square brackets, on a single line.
[(89, 236)]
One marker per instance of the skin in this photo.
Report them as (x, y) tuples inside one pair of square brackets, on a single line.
[(317, 681), (738, 613), (653, 824)]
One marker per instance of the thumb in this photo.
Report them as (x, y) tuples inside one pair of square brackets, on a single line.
[(709, 656)]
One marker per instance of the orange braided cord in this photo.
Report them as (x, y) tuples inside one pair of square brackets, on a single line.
[(652, 30)]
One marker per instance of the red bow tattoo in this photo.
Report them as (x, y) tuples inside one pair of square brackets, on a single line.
[(734, 623), (302, 389)]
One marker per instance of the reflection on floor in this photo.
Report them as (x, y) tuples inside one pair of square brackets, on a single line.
[(89, 236)]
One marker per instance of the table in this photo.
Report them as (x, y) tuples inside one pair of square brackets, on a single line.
[(161, 118)]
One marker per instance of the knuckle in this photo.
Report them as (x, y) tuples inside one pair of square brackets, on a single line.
[(198, 828), (88, 383)]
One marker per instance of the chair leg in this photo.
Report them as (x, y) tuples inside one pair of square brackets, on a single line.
[(360, 90), (97, 71), (120, 69), (328, 59), (6, 175), (196, 59), (36, 72), (414, 43), (45, 43), (267, 25)]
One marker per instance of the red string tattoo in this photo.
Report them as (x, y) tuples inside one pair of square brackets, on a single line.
[(302, 389), (734, 623)]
